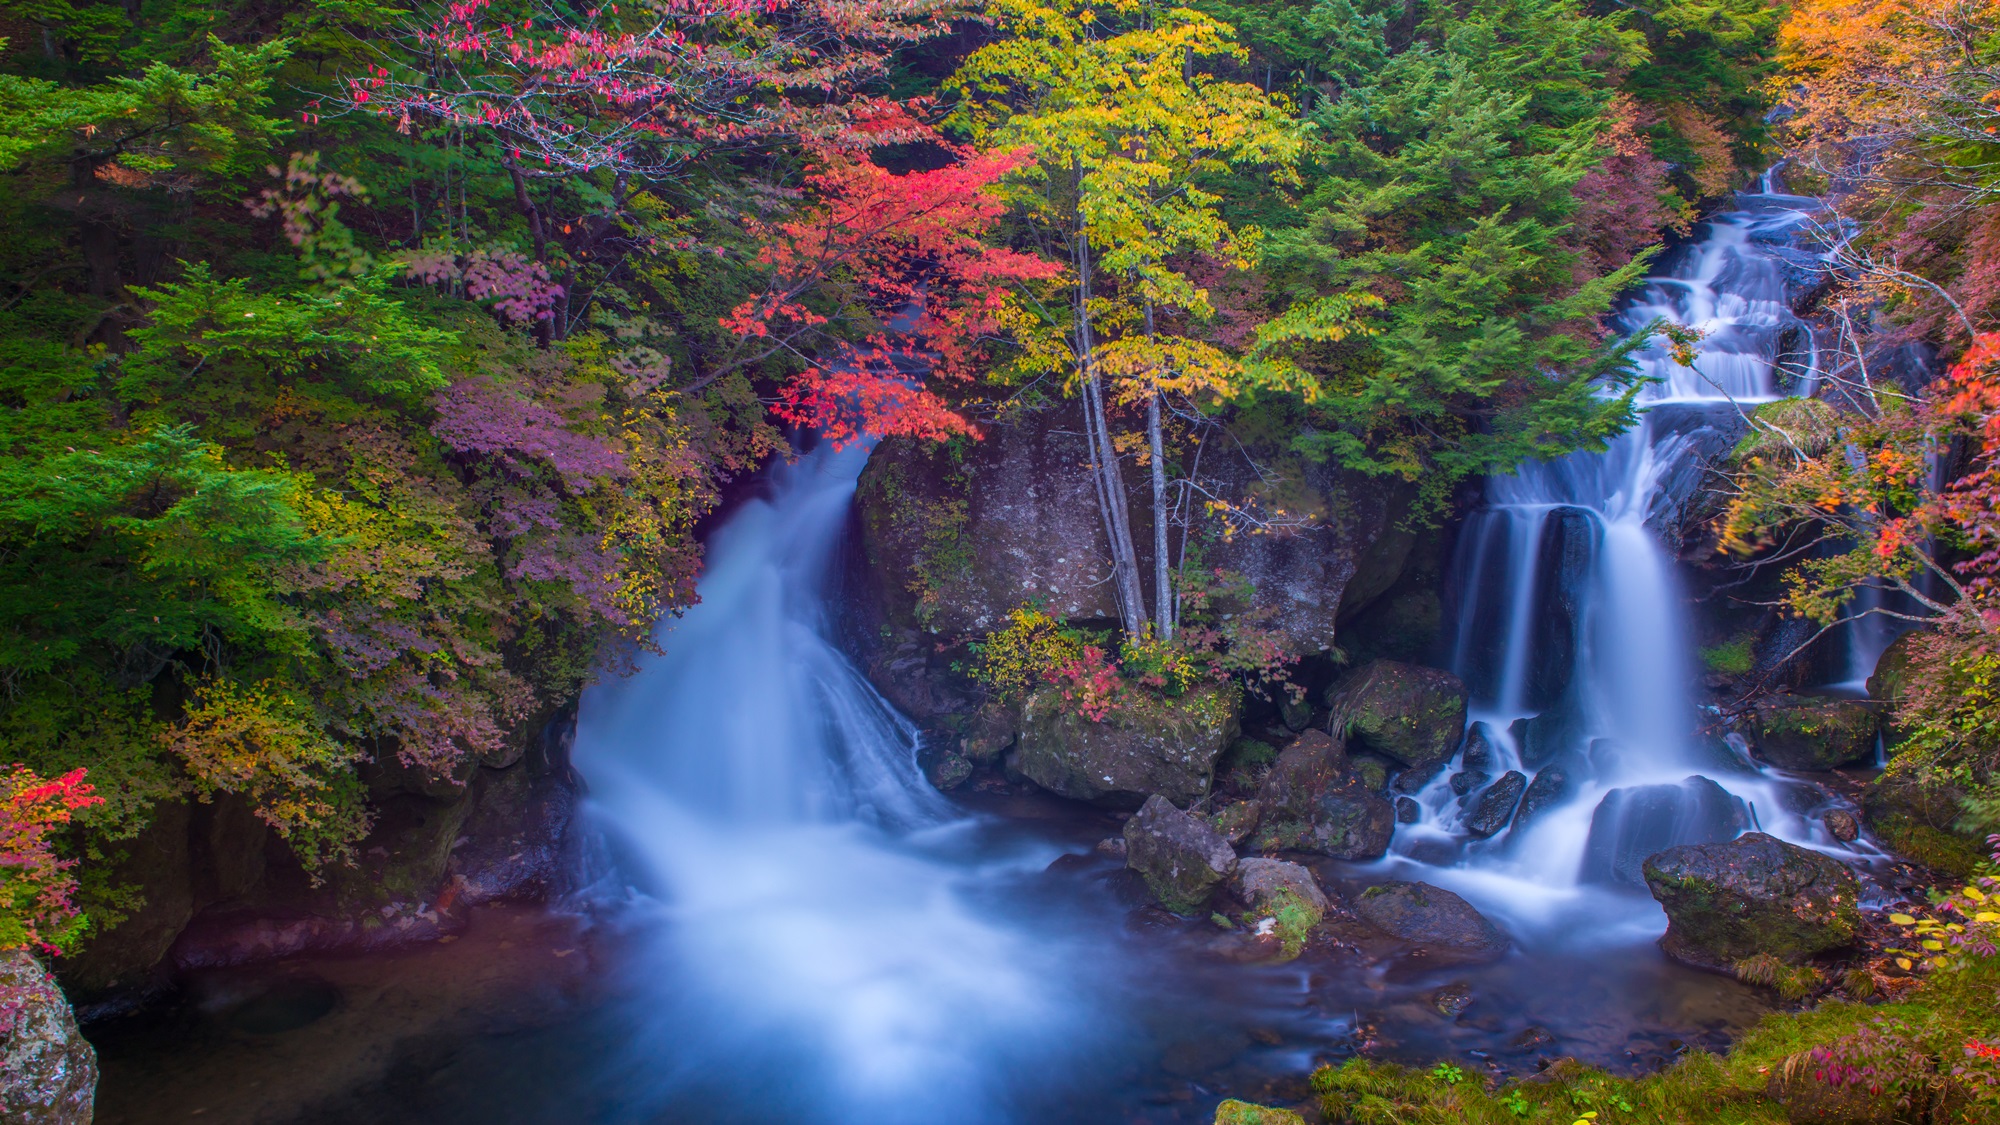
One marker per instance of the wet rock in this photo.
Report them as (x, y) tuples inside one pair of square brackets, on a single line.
[(1311, 804), (1887, 684), (1372, 771), (48, 1072), (1495, 806), (1296, 714), (1842, 825), (1478, 753), (1237, 821), (1805, 733), (1169, 749), (1545, 792), (1113, 846), (1431, 917), (1233, 1112), (1265, 883), (1550, 735), (1407, 712), (1532, 1039), (1466, 782), (1632, 823), (1181, 858), (1755, 894), (511, 845), (1452, 1000), (990, 733), (1408, 811), (1563, 560), (949, 772)]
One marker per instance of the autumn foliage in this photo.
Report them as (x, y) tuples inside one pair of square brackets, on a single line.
[(37, 907)]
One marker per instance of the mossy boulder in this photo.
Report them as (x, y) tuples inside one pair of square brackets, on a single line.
[(1179, 855), (1168, 747), (1431, 917), (1233, 1112), (1755, 894), (1413, 714), (1797, 732), (1311, 803)]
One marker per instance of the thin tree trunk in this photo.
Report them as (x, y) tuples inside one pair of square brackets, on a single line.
[(1163, 600), (1110, 483), (546, 328)]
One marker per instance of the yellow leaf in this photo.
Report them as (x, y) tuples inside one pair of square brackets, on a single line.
[(1986, 916), (1934, 946), (1902, 919), (1975, 894), (1903, 963)]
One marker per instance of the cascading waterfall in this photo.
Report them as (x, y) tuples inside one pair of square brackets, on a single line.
[(819, 956), (1570, 629)]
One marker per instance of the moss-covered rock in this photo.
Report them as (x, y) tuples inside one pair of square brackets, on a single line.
[(1797, 732), (1311, 803), (1413, 714), (1168, 747), (1755, 894), (1181, 858), (1233, 1112), (1887, 684)]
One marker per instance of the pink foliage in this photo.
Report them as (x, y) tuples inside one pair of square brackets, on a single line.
[(474, 416), (521, 291), (1624, 202)]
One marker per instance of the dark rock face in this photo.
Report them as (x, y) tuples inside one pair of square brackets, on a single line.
[(1545, 792), (1842, 825), (124, 959), (48, 1072), (1262, 883), (1127, 758), (1179, 856), (1431, 917), (1633, 823), (1408, 811), (1569, 542), (1755, 894), (1026, 490), (1236, 822), (1407, 712), (1312, 804), (1805, 733), (1495, 806)]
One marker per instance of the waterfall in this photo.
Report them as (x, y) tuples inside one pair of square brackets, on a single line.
[(1571, 633), (819, 953)]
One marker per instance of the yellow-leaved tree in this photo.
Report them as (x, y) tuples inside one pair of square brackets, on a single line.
[(1127, 123)]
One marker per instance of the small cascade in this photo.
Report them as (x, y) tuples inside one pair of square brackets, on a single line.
[(1571, 624), (818, 954)]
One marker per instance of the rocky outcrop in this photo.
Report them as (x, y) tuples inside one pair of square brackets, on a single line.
[(1431, 917), (1412, 714), (1545, 792), (1887, 683), (1181, 858), (1755, 894), (1026, 490), (1311, 803), (1796, 732), (221, 890), (1167, 747), (48, 1072)]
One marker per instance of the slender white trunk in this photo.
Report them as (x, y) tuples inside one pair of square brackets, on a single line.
[(1163, 599), (1104, 455)]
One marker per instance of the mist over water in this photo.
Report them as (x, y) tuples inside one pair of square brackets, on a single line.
[(833, 941)]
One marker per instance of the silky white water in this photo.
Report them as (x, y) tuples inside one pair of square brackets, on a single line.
[(1572, 631), (820, 954)]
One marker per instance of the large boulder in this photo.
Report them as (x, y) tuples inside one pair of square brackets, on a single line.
[(1164, 747), (1181, 858), (1311, 803), (1755, 894), (1888, 682), (1431, 917), (1413, 714), (48, 1072), (1545, 792), (1632, 823), (1797, 732)]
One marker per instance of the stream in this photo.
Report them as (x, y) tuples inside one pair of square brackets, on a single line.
[(786, 923)]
